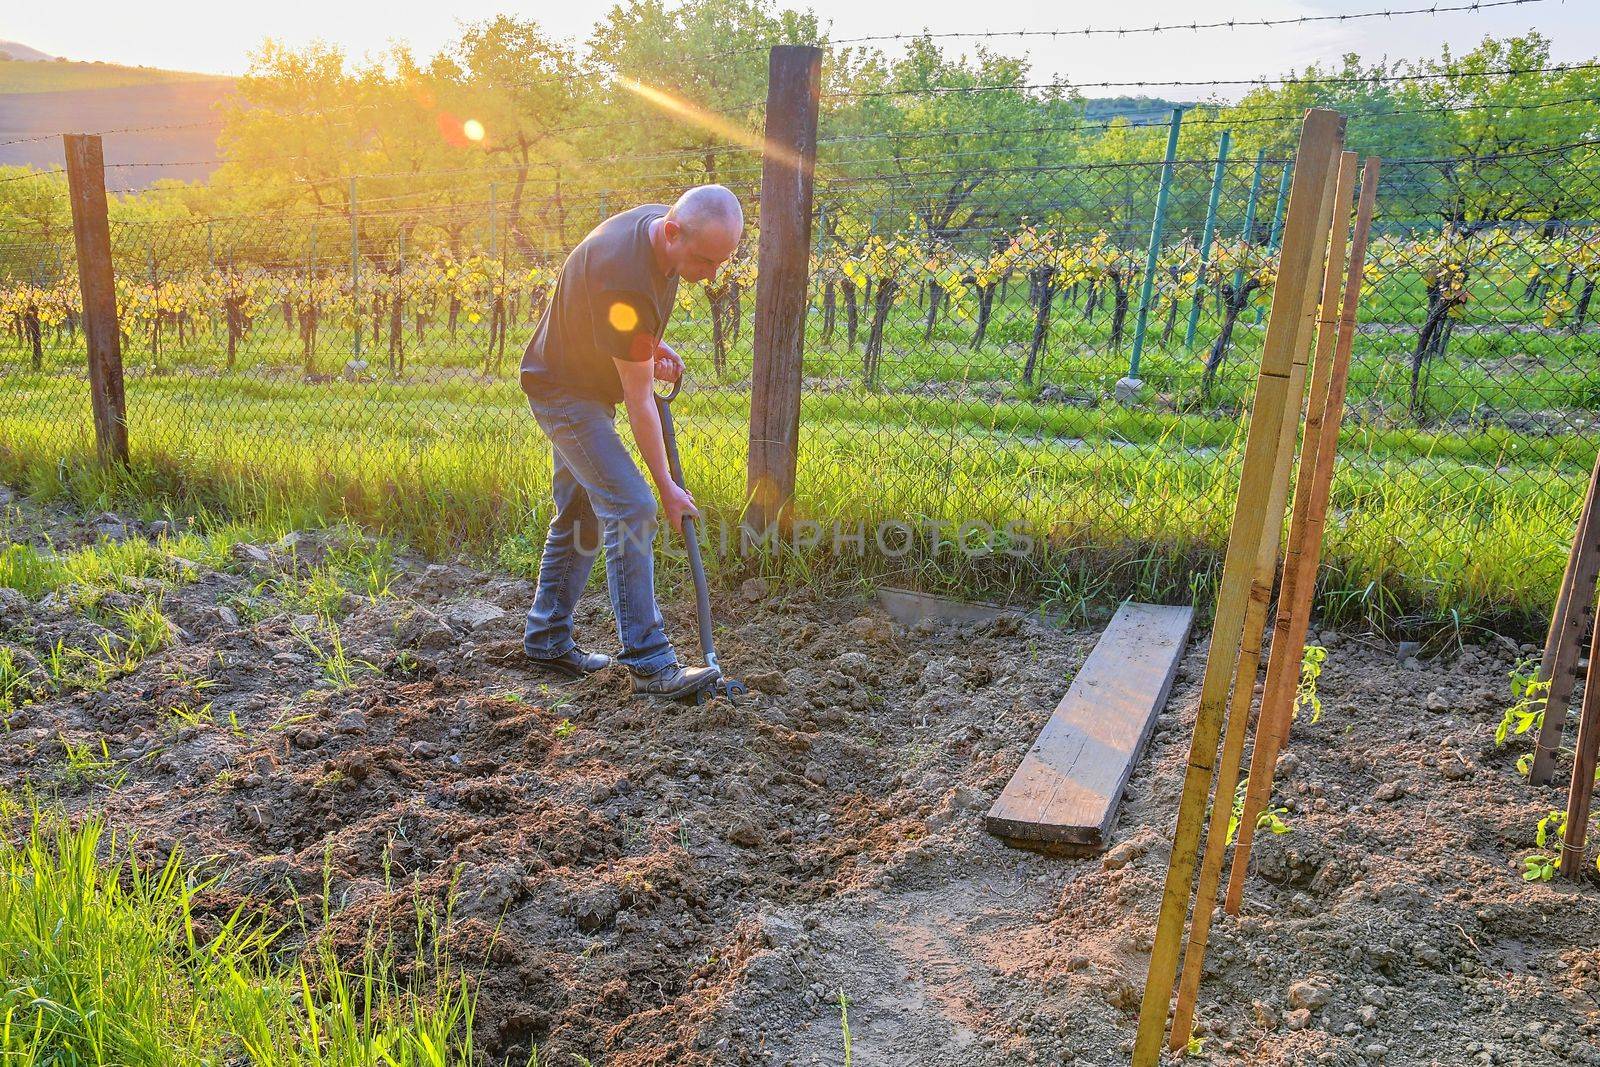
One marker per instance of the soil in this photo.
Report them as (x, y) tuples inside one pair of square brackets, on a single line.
[(640, 883)]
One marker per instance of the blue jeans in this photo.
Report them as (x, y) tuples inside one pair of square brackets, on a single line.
[(601, 499)]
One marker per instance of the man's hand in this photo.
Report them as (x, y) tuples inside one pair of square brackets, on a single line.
[(669, 365), (678, 504), (645, 421)]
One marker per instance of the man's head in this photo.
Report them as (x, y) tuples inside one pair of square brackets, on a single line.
[(701, 232)]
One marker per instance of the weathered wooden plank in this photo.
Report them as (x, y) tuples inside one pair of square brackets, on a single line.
[(908, 608), (1065, 794)]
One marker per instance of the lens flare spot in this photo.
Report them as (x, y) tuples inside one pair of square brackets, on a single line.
[(623, 318), (472, 129)]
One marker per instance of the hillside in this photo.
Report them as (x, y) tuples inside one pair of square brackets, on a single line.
[(18, 50), (1139, 110), (34, 76), (45, 96)]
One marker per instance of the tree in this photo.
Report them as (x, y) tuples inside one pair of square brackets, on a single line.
[(665, 51)]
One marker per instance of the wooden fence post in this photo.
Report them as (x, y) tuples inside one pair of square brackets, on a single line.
[(91, 232), (794, 82)]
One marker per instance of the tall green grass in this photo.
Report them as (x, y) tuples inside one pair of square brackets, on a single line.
[(106, 961), (1425, 525)]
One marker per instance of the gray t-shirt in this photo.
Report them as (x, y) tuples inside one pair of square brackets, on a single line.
[(611, 301)]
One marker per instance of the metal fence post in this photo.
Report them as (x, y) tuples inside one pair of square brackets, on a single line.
[(355, 277), (1276, 233), (1129, 386), (91, 232), (1205, 238), (783, 261), (1277, 212), (492, 246), (1248, 232)]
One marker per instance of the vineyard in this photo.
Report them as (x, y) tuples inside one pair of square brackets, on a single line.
[(267, 359)]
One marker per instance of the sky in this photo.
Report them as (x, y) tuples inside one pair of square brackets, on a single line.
[(197, 35)]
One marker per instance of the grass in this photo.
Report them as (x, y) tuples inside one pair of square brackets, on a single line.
[(1423, 525), (1454, 522), (110, 961)]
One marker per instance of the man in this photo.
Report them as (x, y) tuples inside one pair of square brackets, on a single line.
[(599, 343)]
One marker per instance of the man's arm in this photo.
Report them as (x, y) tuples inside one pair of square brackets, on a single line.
[(638, 397)]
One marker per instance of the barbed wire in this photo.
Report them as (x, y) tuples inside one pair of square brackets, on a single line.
[(1212, 119), (1368, 79), (33, 174), (1203, 120), (1126, 31)]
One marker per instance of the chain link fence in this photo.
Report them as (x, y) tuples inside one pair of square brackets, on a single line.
[(1000, 393)]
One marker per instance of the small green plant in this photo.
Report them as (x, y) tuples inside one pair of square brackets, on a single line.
[(83, 766), (148, 629), (844, 1025), (337, 666), (1305, 694), (1272, 820), (565, 729), (1529, 696), (192, 715), (320, 593), (366, 565), (1196, 1047), (1237, 812), (1538, 868), (58, 665), (16, 687), (1550, 828)]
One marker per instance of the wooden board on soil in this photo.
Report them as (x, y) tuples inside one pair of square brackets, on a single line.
[(909, 608), (1064, 796)]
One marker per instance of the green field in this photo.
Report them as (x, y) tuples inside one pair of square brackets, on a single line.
[(1458, 512)]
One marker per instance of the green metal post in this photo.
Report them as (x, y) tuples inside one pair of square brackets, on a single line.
[(355, 271), (1250, 212), (1277, 224), (1205, 238), (211, 264), (1277, 212), (1155, 245), (493, 251), (603, 212)]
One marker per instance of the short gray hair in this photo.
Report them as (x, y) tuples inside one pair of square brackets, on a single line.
[(708, 205)]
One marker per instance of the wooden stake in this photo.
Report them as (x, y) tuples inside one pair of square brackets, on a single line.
[(1338, 195), (1320, 139), (1571, 619), (91, 233), (783, 256), (1303, 555), (1574, 837)]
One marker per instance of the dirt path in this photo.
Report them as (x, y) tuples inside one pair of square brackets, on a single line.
[(642, 884)]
